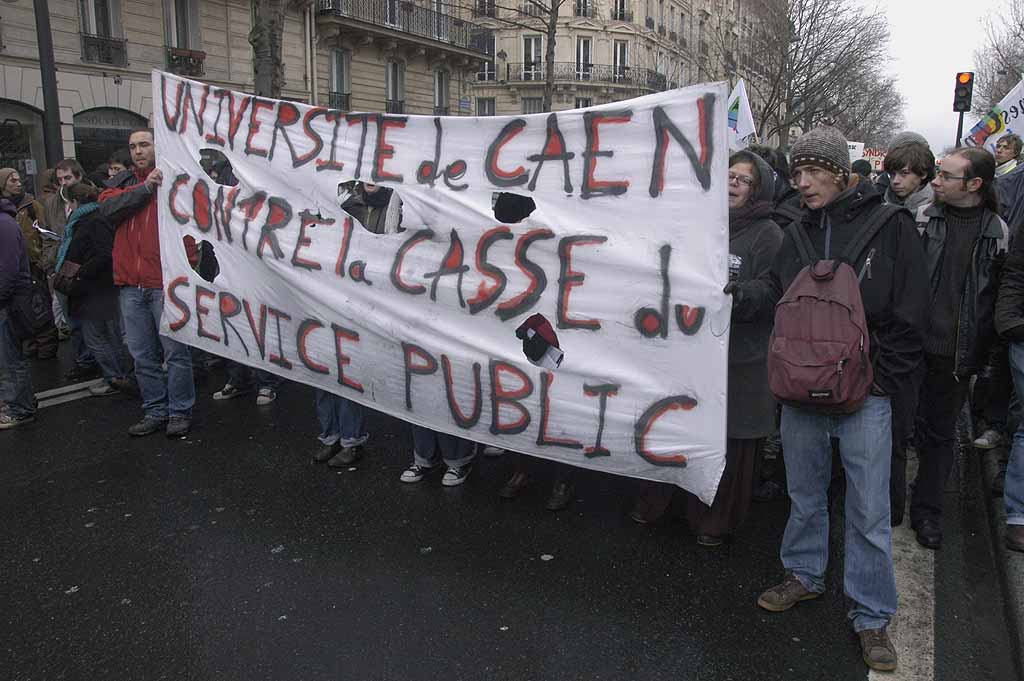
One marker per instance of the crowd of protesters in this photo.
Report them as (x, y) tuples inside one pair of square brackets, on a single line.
[(939, 276)]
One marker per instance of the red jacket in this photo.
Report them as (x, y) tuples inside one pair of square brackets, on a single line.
[(131, 208)]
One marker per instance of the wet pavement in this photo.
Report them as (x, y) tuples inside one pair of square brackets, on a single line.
[(229, 555)]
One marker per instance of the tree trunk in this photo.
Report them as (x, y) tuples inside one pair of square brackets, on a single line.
[(549, 55), (266, 37)]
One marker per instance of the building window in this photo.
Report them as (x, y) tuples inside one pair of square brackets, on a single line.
[(101, 32), (442, 87), (621, 59), (341, 83), (532, 105), (485, 106), (394, 87), (620, 11), (181, 24), (98, 17), (584, 62), (584, 8), (584, 102), (532, 60), (487, 69)]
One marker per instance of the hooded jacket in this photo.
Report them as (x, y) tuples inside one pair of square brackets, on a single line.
[(128, 205), (28, 211), (917, 203), (754, 239), (14, 268), (894, 288), (92, 248)]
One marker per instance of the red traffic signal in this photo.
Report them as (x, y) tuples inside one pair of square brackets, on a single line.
[(963, 90)]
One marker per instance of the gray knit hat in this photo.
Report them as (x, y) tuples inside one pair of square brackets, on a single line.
[(906, 137), (824, 147)]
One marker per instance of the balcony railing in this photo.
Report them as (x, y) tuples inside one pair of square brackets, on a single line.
[(185, 62), (395, 106), (636, 78), (98, 49), (622, 14), (407, 17), (339, 100), (440, 110)]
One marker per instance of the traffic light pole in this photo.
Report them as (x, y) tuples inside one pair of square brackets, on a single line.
[(960, 130)]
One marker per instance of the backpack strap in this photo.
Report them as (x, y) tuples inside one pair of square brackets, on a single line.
[(788, 210), (804, 247), (878, 219)]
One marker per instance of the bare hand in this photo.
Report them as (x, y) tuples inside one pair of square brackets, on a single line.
[(154, 179)]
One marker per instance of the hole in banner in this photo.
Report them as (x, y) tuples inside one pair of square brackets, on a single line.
[(511, 208), (201, 257), (377, 208), (217, 167)]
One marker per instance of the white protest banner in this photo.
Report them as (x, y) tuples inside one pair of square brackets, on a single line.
[(1001, 120), (626, 255), (856, 150), (741, 119)]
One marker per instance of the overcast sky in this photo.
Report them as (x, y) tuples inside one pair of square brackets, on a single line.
[(931, 42)]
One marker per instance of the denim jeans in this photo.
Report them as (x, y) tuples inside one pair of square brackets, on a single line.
[(341, 420), (1013, 494), (241, 376), (105, 340), (163, 395), (429, 446), (16, 381), (865, 443)]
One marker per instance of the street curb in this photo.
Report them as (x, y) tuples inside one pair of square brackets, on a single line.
[(1011, 563)]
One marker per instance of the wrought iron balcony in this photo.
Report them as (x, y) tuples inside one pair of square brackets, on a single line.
[(339, 100), (394, 106), (98, 49), (622, 14), (406, 17), (598, 74), (185, 62)]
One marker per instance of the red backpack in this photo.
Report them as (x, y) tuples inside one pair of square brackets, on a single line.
[(819, 357)]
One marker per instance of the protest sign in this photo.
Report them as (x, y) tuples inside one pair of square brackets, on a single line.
[(625, 255), (1000, 121), (742, 130), (856, 150)]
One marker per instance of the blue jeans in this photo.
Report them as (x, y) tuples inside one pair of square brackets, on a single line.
[(241, 376), (163, 395), (341, 420), (429, 446), (1013, 494), (105, 340), (16, 381), (865, 444)]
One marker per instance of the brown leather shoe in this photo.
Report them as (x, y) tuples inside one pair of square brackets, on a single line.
[(785, 595), (877, 649), (1015, 537), (326, 452), (561, 495), (515, 486)]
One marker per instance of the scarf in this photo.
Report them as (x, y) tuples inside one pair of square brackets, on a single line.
[(742, 217), (1006, 167), (69, 231)]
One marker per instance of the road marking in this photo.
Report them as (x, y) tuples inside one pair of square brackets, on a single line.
[(64, 394), (913, 627)]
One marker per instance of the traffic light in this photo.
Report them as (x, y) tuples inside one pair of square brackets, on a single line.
[(963, 90)]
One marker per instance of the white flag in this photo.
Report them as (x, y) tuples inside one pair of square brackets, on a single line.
[(741, 120)]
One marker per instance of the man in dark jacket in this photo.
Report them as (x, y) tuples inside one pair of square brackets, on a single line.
[(965, 241), (894, 294), (130, 204), (16, 380)]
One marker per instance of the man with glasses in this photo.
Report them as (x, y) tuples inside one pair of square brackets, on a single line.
[(894, 295), (965, 241)]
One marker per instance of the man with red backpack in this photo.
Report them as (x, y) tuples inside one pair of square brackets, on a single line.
[(835, 358)]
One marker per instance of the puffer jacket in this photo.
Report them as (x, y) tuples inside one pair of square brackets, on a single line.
[(131, 208), (976, 330)]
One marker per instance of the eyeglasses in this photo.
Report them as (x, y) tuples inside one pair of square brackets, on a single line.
[(745, 180), (946, 177)]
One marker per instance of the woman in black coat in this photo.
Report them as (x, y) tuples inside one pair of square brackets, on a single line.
[(86, 255)]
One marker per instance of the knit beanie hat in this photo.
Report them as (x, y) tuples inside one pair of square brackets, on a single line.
[(824, 147), (5, 174), (906, 137)]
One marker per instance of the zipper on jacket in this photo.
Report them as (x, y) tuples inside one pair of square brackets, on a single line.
[(867, 266), (960, 312)]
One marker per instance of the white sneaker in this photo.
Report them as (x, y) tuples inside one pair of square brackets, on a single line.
[(414, 473), (101, 388), (456, 475), (990, 439), (229, 392), (265, 396)]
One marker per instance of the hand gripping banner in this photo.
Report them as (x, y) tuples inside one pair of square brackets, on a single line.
[(624, 256)]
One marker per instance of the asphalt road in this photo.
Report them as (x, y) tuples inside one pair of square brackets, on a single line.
[(229, 555)]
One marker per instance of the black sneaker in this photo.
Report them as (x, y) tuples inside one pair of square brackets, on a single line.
[(456, 475), (415, 473), (147, 426), (9, 420), (326, 452)]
